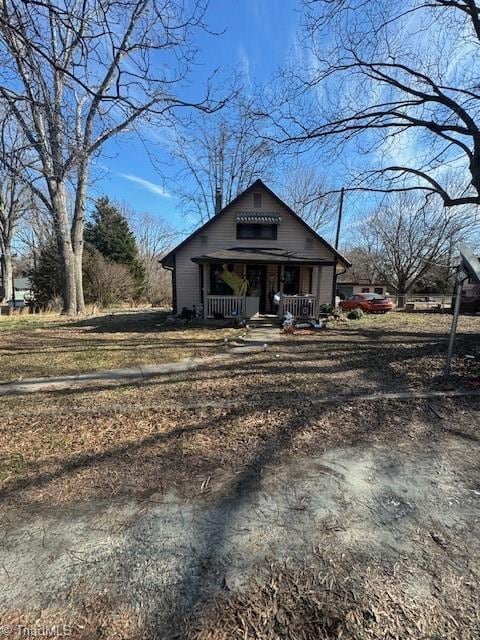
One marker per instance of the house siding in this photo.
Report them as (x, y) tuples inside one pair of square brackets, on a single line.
[(348, 288), (292, 236)]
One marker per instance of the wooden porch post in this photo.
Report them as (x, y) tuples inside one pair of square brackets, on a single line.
[(244, 301), (206, 290), (319, 277), (282, 278)]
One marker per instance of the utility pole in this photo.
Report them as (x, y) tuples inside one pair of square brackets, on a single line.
[(339, 221)]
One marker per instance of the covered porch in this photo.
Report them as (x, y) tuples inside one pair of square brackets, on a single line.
[(244, 283)]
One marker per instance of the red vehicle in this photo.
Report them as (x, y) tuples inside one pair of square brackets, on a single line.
[(368, 302)]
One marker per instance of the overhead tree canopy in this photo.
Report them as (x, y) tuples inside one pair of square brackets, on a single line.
[(395, 85), (75, 74)]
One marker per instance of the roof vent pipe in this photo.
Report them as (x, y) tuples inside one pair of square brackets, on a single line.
[(218, 200)]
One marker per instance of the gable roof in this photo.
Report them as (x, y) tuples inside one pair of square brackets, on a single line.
[(168, 260)]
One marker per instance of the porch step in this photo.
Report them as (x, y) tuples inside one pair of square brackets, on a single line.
[(268, 325), (263, 322), (261, 335)]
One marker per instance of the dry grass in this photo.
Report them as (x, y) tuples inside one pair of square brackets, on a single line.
[(209, 435), (36, 346), (330, 601), (334, 597), (136, 440), (96, 618)]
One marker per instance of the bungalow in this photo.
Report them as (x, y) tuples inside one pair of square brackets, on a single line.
[(254, 256)]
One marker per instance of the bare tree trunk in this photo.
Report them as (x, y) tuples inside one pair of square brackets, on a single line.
[(78, 226), (78, 256), (60, 213), (401, 298), (7, 274)]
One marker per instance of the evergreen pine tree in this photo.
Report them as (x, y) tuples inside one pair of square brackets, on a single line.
[(109, 232), (47, 277)]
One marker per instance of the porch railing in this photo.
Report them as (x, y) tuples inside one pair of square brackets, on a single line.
[(225, 306), (300, 306)]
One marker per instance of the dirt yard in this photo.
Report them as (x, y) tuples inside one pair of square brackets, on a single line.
[(260, 497)]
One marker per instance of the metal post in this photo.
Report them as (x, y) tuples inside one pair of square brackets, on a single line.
[(453, 329), (339, 221)]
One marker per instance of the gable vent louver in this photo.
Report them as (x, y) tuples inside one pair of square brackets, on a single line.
[(258, 218)]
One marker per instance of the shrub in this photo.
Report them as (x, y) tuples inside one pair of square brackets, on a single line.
[(326, 308), (106, 282), (355, 314)]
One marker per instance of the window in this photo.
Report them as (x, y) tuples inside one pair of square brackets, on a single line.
[(217, 286), (256, 231), (257, 200), (378, 290), (203, 240), (365, 289)]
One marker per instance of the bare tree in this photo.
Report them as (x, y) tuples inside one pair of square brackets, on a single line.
[(309, 195), (154, 236), (222, 152), (154, 239), (34, 232), (365, 258), (402, 239), (15, 199), (76, 73), (11, 209), (397, 85)]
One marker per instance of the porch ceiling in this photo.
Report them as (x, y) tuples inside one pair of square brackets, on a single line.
[(271, 256)]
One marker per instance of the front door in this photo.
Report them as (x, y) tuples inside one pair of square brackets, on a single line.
[(257, 284)]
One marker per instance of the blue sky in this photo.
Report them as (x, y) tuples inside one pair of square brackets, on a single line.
[(257, 36)]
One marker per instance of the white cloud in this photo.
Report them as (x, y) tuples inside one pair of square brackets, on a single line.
[(244, 64), (146, 184)]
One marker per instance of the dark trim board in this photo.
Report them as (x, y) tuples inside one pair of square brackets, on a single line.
[(334, 283), (174, 285), (299, 263)]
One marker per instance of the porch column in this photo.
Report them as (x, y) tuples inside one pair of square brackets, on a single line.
[(206, 288), (282, 278), (319, 277), (244, 301)]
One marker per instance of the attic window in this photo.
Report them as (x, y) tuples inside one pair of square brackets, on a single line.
[(257, 200), (204, 240), (256, 231), (308, 243)]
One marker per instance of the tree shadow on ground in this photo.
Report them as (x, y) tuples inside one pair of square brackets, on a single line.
[(266, 447), (140, 322)]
